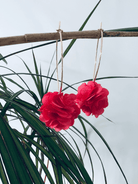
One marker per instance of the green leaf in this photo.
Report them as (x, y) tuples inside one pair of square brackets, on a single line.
[(77, 147), (100, 78), (6, 157), (130, 29), (29, 48), (77, 162), (2, 58), (36, 155), (14, 73), (29, 165), (48, 73), (3, 175), (67, 176), (13, 162), (3, 83), (58, 173), (102, 138), (96, 154), (32, 142)]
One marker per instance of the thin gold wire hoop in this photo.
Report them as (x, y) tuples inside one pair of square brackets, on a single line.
[(57, 64), (95, 73), (95, 59), (60, 35)]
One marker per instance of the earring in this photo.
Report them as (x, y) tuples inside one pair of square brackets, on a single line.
[(59, 110), (92, 97)]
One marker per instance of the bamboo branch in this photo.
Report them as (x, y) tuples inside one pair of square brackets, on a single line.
[(27, 38)]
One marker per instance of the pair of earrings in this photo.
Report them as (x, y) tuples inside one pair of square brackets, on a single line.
[(59, 110)]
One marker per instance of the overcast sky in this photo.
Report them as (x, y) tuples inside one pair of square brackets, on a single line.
[(119, 58)]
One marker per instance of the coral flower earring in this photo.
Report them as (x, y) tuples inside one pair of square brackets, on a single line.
[(59, 110), (92, 97)]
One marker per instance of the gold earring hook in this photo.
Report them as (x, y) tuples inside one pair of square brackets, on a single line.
[(60, 35), (95, 73)]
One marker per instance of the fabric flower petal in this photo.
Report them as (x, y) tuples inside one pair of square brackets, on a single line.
[(59, 110), (92, 98)]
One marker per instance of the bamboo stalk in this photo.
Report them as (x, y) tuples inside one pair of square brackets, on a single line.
[(94, 34)]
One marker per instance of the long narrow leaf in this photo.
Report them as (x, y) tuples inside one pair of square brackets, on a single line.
[(58, 173), (14, 164), (96, 154), (77, 162), (41, 162), (28, 162), (130, 29), (3, 175), (102, 138), (5, 154), (14, 73)]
